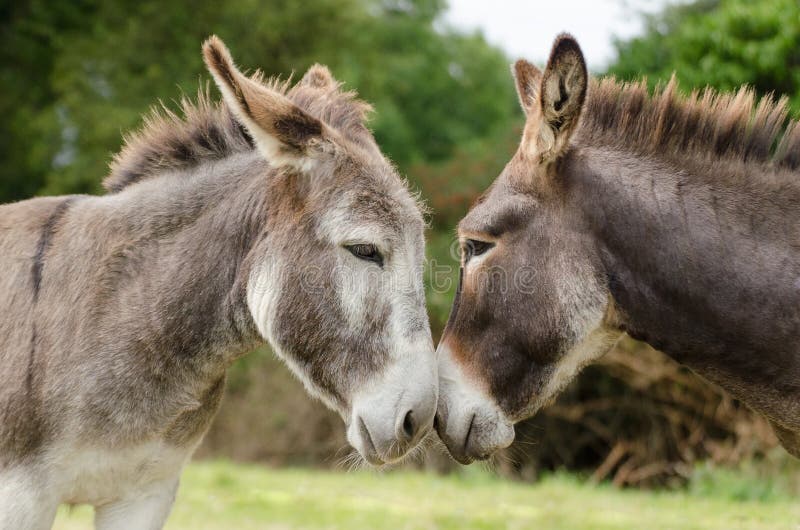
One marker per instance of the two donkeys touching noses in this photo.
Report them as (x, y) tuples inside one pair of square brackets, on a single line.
[(273, 216)]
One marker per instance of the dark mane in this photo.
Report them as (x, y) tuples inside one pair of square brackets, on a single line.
[(707, 123), (206, 130)]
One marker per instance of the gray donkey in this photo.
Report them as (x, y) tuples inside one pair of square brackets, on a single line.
[(274, 217)]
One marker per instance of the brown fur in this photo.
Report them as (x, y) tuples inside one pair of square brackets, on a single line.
[(706, 124), (674, 219)]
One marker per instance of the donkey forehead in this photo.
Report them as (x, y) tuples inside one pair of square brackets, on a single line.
[(372, 214), (500, 210)]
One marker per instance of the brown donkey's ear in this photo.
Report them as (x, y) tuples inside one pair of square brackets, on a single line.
[(528, 79), (283, 132), (561, 96)]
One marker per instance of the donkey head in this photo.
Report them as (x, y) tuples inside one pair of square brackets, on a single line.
[(335, 282), (532, 298)]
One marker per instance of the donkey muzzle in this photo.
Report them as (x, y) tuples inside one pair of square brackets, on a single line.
[(390, 420)]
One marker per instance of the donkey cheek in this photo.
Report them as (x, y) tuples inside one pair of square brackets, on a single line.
[(515, 393)]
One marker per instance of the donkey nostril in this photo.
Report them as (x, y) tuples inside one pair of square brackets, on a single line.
[(409, 428)]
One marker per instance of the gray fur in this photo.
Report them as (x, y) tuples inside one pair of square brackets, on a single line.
[(120, 314)]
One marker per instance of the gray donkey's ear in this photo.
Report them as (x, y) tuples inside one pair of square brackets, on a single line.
[(283, 132), (319, 76)]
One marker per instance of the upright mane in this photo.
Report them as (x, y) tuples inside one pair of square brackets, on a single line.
[(206, 130), (733, 126)]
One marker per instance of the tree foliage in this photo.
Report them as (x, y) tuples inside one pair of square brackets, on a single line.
[(76, 75), (719, 43)]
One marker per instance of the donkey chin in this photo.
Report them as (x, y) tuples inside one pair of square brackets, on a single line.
[(392, 414), (469, 423)]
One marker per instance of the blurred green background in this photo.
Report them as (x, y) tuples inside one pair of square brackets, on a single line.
[(76, 75)]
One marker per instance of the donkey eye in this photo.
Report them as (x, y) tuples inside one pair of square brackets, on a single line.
[(366, 252), (473, 247)]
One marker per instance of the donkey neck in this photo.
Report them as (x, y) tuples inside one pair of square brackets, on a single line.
[(194, 235), (702, 259), (140, 304)]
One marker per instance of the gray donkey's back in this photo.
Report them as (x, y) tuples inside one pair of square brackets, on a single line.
[(26, 229), (85, 417)]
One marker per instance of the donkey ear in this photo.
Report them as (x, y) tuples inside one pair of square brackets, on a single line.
[(561, 96), (283, 132), (528, 79), (318, 76)]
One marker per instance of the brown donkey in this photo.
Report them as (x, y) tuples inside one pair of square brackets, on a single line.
[(676, 220), (272, 217)]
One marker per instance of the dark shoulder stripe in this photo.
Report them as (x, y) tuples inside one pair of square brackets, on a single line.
[(45, 239)]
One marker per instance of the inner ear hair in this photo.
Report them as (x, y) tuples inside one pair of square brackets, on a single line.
[(282, 130), (562, 95)]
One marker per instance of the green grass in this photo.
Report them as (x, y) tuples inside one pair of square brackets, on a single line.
[(221, 495)]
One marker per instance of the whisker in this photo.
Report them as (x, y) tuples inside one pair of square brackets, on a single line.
[(352, 461)]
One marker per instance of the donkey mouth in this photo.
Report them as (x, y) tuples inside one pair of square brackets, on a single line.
[(370, 453), (467, 448), (392, 453), (456, 448)]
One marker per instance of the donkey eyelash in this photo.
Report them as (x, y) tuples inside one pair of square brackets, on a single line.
[(366, 252), (474, 247)]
